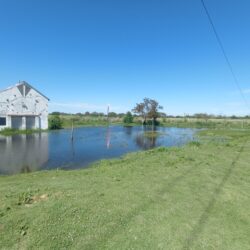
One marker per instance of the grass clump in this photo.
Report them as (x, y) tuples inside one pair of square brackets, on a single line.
[(195, 143), (25, 198)]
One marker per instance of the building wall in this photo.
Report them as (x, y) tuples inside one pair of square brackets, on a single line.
[(23, 101)]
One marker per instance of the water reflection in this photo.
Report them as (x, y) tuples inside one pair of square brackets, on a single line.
[(23, 153), (146, 141), (27, 153), (128, 130), (108, 137), (73, 148)]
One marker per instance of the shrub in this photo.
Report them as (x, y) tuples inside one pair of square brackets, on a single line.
[(154, 122), (128, 118), (55, 122)]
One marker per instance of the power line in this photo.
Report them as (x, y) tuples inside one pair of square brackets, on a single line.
[(225, 54)]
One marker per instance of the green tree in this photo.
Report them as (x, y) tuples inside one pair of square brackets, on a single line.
[(140, 109), (152, 107), (112, 114), (55, 122), (128, 118), (148, 109)]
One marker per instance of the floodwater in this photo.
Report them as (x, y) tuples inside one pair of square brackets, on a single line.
[(56, 150)]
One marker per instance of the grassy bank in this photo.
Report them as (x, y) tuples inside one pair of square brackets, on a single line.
[(206, 123), (227, 123), (84, 121), (195, 197), (81, 121), (11, 131)]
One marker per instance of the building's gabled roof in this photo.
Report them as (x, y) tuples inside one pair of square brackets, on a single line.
[(28, 85)]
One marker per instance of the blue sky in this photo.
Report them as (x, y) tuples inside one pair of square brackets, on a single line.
[(85, 54)]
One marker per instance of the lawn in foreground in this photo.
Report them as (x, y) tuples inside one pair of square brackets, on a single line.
[(195, 197)]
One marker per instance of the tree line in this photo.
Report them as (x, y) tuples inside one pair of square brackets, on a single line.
[(92, 114), (149, 110)]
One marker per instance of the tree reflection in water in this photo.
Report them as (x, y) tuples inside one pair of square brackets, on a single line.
[(128, 130), (146, 142)]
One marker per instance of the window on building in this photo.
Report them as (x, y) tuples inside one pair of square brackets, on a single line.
[(2, 121)]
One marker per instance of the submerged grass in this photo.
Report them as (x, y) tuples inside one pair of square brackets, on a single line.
[(153, 134), (195, 197)]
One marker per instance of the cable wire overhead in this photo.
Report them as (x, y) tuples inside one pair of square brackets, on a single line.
[(224, 53)]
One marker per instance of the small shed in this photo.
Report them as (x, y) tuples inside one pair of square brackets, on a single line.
[(23, 107)]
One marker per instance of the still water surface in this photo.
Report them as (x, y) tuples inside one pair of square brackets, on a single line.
[(44, 151)]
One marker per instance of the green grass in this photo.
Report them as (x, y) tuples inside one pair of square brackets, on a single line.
[(206, 123), (11, 131), (194, 197), (81, 121)]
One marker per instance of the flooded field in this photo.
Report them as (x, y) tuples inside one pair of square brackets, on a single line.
[(52, 150)]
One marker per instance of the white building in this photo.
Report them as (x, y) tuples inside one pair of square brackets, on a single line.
[(23, 107)]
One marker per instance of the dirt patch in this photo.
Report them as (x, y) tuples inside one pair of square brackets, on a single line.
[(38, 198), (29, 200)]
